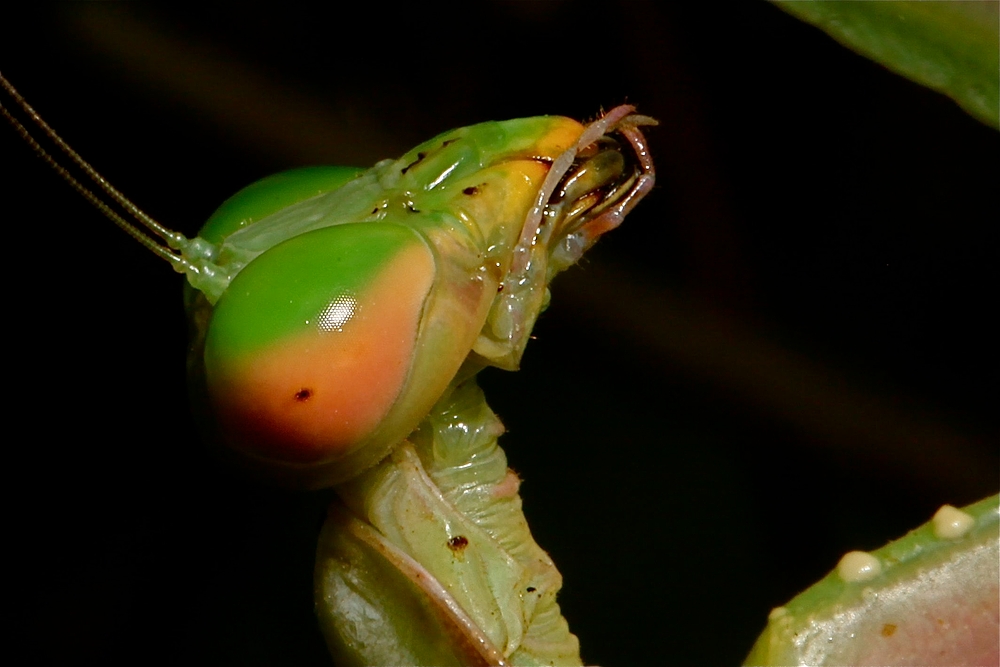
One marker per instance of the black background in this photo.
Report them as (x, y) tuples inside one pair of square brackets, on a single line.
[(781, 356)]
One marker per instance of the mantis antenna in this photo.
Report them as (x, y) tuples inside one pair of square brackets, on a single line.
[(175, 247)]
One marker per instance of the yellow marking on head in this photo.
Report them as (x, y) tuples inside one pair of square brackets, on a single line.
[(561, 137)]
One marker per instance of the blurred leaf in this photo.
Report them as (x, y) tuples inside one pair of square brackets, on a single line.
[(930, 599), (952, 47)]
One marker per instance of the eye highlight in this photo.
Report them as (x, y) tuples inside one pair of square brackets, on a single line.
[(337, 313)]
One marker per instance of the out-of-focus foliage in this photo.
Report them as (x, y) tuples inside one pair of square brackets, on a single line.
[(952, 47)]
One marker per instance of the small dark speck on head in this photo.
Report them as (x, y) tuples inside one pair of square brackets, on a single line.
[(531, 589), (458, 543), (499, 288), (420, 156), (473, 190), (303, 395)]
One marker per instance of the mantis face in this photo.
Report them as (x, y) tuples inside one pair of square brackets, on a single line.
[(340, 303)]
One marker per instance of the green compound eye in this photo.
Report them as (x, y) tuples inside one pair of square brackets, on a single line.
[(312, 343), (271, 194)]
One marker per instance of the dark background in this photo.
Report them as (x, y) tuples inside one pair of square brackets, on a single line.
[(783, 355)]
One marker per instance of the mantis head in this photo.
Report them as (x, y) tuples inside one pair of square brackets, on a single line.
[(332, 307), (350, 299)]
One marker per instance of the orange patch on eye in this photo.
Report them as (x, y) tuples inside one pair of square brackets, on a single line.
[(316, 395)]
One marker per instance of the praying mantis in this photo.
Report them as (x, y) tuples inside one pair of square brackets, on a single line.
[(192, 522), (339, 317)]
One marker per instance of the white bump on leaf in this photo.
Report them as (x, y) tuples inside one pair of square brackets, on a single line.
[(951, 524), (858, 566)]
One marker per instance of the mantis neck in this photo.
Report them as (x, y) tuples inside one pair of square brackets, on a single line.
[(444, 507)]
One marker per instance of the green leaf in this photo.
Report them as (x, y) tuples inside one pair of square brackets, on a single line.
[(952, 47), (927, 598)]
